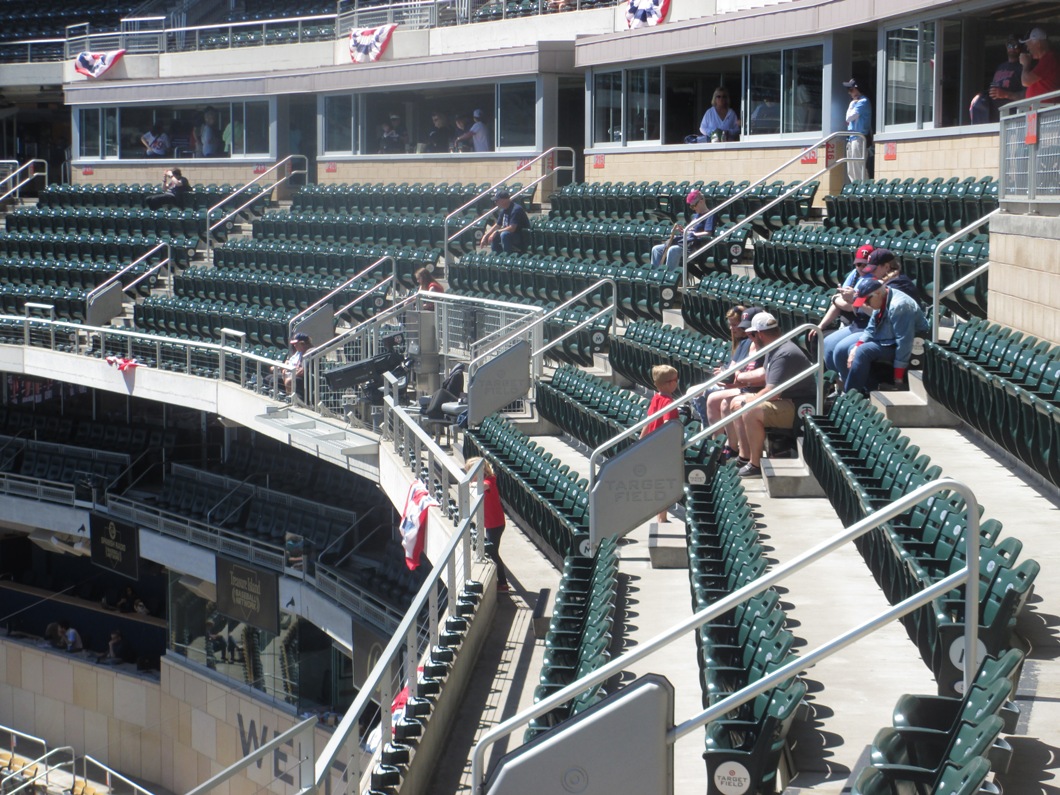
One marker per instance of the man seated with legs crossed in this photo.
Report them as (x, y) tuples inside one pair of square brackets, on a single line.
[(782, 364)]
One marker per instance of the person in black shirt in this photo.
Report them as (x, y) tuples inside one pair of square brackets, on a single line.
[(440, 136), (174, 188)]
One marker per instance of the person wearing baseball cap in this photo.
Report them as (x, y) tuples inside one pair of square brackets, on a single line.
[(842, 307), (697, 233), (1045, 75), (895, 321), (859, 120), (510, 233), (781, 365), (294, 366)]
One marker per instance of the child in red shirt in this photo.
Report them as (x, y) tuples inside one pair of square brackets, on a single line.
[(493, 518), (665, 379)]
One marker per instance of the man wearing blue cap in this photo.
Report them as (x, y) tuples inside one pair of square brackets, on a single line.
[(896, 319), (859, 119)]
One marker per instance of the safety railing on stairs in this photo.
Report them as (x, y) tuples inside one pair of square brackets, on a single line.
[(21, 176), (967, 576), (713, 212), (936, 271), (96, 293), (226, 202), (549, 158), (16, 781), (377, 290)]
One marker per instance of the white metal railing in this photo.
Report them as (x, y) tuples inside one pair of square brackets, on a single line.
[(784, 195), (17, 781), (99, 289), (31, 173), (939, 292), (384, 284), (968, 576), (550, 160), (92, 770), (1030, 151), (226, 202)]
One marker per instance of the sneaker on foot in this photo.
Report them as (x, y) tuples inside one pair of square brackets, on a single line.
[(749, 470)]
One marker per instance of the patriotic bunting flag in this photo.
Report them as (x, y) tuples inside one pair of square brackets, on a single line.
[(95, 64), (122, 363), (368, 44), (646, 13), (414, 522)]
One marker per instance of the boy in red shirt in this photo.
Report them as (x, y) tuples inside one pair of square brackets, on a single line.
[(493, 518), (665, 379)]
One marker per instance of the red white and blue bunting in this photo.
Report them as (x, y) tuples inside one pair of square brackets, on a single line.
[(369, 44), (646, 13), (95, 64)]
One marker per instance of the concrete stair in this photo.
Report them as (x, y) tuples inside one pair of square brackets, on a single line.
[(914, 408)]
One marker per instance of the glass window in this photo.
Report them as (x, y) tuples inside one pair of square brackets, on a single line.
[(762, 102), (642, 104), (257, 128), (90, 130), (516, 114), (910, 76), (801, 89), (607, 107), (338, 124)]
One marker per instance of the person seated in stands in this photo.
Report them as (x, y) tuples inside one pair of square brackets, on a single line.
[(720, 122), (175, 188), (71, 638), (888, 269), (440, 135), (716, 403), (842, 307), (155, 141), (700, 234), (425, 279), (511, 231), (127, 601), (294, 378), (896, 319), (116, 653), (781, 364)]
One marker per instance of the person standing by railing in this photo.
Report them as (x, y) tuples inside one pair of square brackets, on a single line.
[(1045, 75), (859, 119)]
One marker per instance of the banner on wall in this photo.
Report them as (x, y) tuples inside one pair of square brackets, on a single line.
[(248, 594), (114, 545), (369, 44), (646, 13), (96, 64)]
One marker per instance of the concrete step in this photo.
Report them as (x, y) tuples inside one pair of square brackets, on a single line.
[(789, 477), (914, 408), (332, 439)]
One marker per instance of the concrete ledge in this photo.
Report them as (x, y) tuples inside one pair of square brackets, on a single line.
[(915, 408), (667, 545), (789, 477)]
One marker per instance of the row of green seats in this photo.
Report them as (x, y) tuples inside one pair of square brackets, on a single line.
[(641, 292), (1006, 385), (552, 500), (936, 205), (73, 274), (198, 320), (378, 197), (164, 224), (579, 635), (69, 303), (119, 194), (705, 305), (947, 744), (864, 463), (130, 438), (274, 291), (648, 343), (65, 463), (318, 227), (109, 247)]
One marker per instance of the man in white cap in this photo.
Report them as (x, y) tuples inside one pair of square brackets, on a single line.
[(782, 364), (859, 119), (1044, 77)]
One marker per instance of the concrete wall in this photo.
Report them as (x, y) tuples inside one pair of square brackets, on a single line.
[(198, 172), (1024, 274), (939, 156)]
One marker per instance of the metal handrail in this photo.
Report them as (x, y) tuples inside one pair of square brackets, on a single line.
[(697, 222), (967, 575), (31, 784), (95, 292), (936, 270), (114, 774), (27, 165), (540, 319), (293, 322), (549, 171), (289, 159)]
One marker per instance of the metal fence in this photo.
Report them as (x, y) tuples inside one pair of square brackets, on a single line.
[(1030, 151)]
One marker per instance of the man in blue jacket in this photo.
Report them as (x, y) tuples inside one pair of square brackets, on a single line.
[(896, 319), (859, 119)]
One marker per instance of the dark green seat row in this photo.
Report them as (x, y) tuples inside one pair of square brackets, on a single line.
[(197, 320), (109, 247), (704, 306), (65, 463), (275, 291), (1004, 384), (746, 643), (297, 257), (648, 343), (397, 229), (73, 274), (913, 205), (394, 197), (551, 499), (135, 222), (69, 303), (641, 292), (72, 196), (863, 463), (593, 410), (947, 745), (579, 635), (124, 438)]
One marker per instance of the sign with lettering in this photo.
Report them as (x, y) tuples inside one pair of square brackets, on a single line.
[(1031, 138), (890, 150), (599, 161), (809, 157), (248, 594), (115, 545)]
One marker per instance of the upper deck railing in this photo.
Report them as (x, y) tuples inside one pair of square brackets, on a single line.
[(1030, 154)]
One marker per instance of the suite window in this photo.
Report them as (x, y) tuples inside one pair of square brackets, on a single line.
[(784, 91), (642, 104), (607, 108), (98, 132), (910, 76), (627, 106), (516, 114), (338, 124)]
